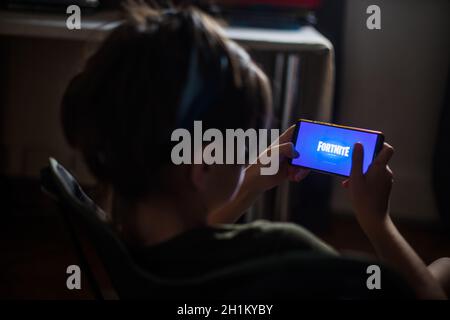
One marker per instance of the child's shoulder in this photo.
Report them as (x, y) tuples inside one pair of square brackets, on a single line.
[(286, 235)]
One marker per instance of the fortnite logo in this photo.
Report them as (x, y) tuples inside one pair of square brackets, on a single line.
[(333, 148)]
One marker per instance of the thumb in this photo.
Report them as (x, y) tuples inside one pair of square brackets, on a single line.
[(357, 161), (287, 150)]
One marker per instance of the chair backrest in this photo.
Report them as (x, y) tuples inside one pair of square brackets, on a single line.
[(288, 275)]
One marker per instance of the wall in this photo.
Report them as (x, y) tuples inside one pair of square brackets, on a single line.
[(36, 72), (393, 80)]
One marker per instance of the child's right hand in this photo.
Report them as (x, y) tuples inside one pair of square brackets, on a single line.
[(370, 192)]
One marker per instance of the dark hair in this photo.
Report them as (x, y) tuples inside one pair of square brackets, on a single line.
[(154, 73)]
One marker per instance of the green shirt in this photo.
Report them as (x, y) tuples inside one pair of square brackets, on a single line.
[(205, 249)]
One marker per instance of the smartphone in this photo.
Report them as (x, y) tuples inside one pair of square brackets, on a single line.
[(327, 148)]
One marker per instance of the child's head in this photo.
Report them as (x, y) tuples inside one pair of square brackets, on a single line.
[(154, 73)]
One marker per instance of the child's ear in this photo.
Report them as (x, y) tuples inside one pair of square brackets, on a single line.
[(199, 176)]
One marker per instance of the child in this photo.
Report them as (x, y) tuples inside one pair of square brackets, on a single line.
[(161, 71)]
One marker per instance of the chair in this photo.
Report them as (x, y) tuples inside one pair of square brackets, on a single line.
[(290, 275)]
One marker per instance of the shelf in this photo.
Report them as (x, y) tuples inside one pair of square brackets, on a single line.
[(94, 27)]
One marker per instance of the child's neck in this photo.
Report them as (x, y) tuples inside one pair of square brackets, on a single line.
[(161, 218)]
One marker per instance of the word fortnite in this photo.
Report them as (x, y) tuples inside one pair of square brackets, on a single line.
[(208, 147), (333, 148)]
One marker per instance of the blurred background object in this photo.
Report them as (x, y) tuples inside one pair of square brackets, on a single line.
[(50, 4)]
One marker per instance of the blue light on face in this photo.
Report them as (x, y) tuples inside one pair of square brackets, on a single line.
[(329, 149)]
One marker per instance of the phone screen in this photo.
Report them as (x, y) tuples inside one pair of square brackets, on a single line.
[(328, 148)]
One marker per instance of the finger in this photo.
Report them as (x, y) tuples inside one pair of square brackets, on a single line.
[(285, 136), (389, 170), (292, 172), (345, 183), (357, 160), (389, 173), (287, 150), (295, 174), (385, 155), (301, 174)]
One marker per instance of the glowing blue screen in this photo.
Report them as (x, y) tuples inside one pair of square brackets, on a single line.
[(329, 149)]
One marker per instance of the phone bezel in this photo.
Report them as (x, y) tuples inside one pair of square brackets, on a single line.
[(378, 145)]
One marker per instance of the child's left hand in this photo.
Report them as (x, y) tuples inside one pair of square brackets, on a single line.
[(259, 183)]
